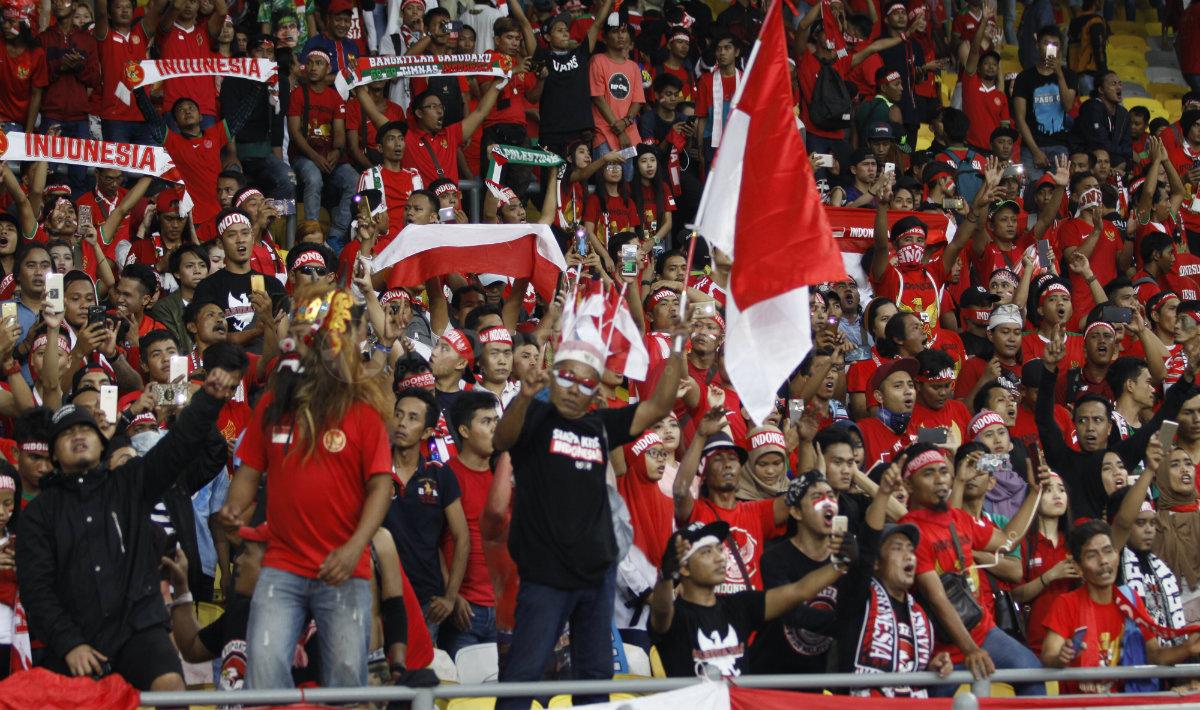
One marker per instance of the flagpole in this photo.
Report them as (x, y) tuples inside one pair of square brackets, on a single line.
[(687, 274)]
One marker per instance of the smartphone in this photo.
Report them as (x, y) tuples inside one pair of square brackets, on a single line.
[(1077, 637), (257, 283), (706, 309), (795, 409), (1043, 250), (454, 27), (889, 168), (628, 153), (84, 214), (446, 215), (931, 435), (1051, 51), (179, 368), (8, 310), (96, 314), (581, 241), (824, 160), (1116, 314), (54, 292), (841, 524), (952, 203), (629, 259), (832, 322), (1166, 435), (363, 208), (108, 402)]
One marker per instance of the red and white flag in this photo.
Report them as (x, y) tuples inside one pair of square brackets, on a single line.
[(598, 314), (779, 247), (21, 656), (523, 251), (833, 31)]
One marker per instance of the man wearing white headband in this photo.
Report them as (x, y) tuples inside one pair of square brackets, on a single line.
[(703, 629), (561, 536)]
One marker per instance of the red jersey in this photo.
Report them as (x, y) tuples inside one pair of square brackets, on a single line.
[(985, 107), (314, 502), (475, 485), (1102, 626), (936, 554), (396, 186), (19, 75), (356, 122), (116, 51), (617, 214), (1038, 560), (751, 524), (199, 163), (1033, 345), (101, 207), (433, 156), (1072, 233), (324, 107), (650, 216), (973, 371), (512, 98), (914, 287), (954, 417), (1026, 428), (182, 43), (704, 91), (858, 378), (881, 443), (684, 76)]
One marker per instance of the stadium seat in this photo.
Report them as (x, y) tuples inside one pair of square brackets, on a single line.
[(1153, 29), (924, 137), (1132, 90), (1165, 75), (1169, 90), (444, 667), (471, 704), (477, 664), (1156, 42), (1156, 109), (1174, 109), (1130, 74), (656, 666), (1162, 58), (1127, 27), (1131, 57), (638, 660), (1128, 42)]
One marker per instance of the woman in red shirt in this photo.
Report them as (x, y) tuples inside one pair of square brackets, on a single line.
[(23, 72), (1048, 572), (652, 196), (610, 210)]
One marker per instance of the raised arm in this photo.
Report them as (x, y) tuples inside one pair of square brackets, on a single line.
[(602, 12), (25, 212), (879, 258), (508, 430), (488, 102)]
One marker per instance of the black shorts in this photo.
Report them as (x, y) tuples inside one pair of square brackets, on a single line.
[(147, 655)]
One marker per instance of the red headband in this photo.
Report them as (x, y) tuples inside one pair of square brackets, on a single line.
[(1102, 325), (247, 194), (35, 447), (928, 458), (946, 375), (232, 219), (312, 256), (497, 334), (421, 380), (1054, 288), (394, 294), (461, 345), (768, 438), (8, 483), (1163, 301), (979, 315), (444, 188), (982, 421), (645, 441), (658, 296)]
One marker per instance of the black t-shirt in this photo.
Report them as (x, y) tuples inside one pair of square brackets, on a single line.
[(416, 519), (232, 292), (1044, 112), (566, 105), (716, 635), (561, 534), (799, 641)]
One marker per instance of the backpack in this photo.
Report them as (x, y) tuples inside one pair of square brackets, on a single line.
[(967, 177), (831, 104)]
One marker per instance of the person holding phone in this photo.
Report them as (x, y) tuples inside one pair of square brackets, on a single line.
[(1041, 97)]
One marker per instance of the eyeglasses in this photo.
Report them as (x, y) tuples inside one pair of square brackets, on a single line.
[(317, 271), (586, 385), (432, 107), (658, 454)]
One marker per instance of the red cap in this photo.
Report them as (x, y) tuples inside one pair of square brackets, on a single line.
[(339, 6), (167, 201), (256, 534)]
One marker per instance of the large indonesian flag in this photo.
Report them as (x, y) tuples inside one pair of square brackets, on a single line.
[(523, 251), (779, 247)]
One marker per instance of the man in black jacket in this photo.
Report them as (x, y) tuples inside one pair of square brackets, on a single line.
[(85, 547), (1104, 123), (1092, 417)]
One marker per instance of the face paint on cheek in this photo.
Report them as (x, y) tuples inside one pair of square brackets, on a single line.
[(826, 506)]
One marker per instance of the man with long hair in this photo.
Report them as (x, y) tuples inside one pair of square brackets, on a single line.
[(319, 433)]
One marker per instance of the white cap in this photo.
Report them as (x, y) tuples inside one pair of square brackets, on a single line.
[(1005, 314), (492, 279), (580, 351)]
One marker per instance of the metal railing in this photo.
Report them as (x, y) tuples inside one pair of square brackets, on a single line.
[(423, 698)]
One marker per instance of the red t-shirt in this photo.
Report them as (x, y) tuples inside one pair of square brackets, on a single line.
[(1102, 625), (444, 145), (751, 524), (985, 108), (858, 378), (863, 76), (314, 503), (972, 372), (704, 91), (356, 122), (954, 416), (396, 186), (199, 163), (1041, 559), (19, 75), (881, 443), (476, 585), (993, 257), (682, 74), (116, 51), (175, 42), (512, 104), (807, 72), (1103, 260), (1033, 345), (618, 214), (324, 107), (936, 554), (101, 207), (650, 216), (1026, 428)]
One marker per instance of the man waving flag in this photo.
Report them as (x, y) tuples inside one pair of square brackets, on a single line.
[(779, 247)]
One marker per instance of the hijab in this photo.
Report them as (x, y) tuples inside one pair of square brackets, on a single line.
[(1178, 536), (652, 513), (763, 440)]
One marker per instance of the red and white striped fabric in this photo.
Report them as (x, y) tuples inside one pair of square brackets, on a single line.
[(522, 251), (598, 314)]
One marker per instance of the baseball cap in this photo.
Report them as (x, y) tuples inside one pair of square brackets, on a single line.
[(976, 297), (721, 442), (167, 201), (880, 132), (1002, 132), (908, 530), (339, 6), (904, 364), (1005, 314), (859, 155), (1003, 204), (492, 279), (68, 416)]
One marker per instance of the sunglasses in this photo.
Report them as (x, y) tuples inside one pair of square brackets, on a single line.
[(313, 270), (585, 385)]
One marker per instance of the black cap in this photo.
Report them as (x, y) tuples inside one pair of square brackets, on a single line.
[(859, 155), (908, 530), (68, 416), (977, 297), (1002, 131), (880, 132), (719, 441)]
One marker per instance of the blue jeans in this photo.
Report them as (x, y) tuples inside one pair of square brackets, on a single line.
[(482, 630), (282, 603), (1032, 170), (1008, 654), (77, 175), (127, 132), (312, 184), (271, 175), (541, 612)]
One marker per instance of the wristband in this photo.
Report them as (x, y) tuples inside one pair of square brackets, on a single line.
[(395, 620), (14, 368), (182, 599)]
